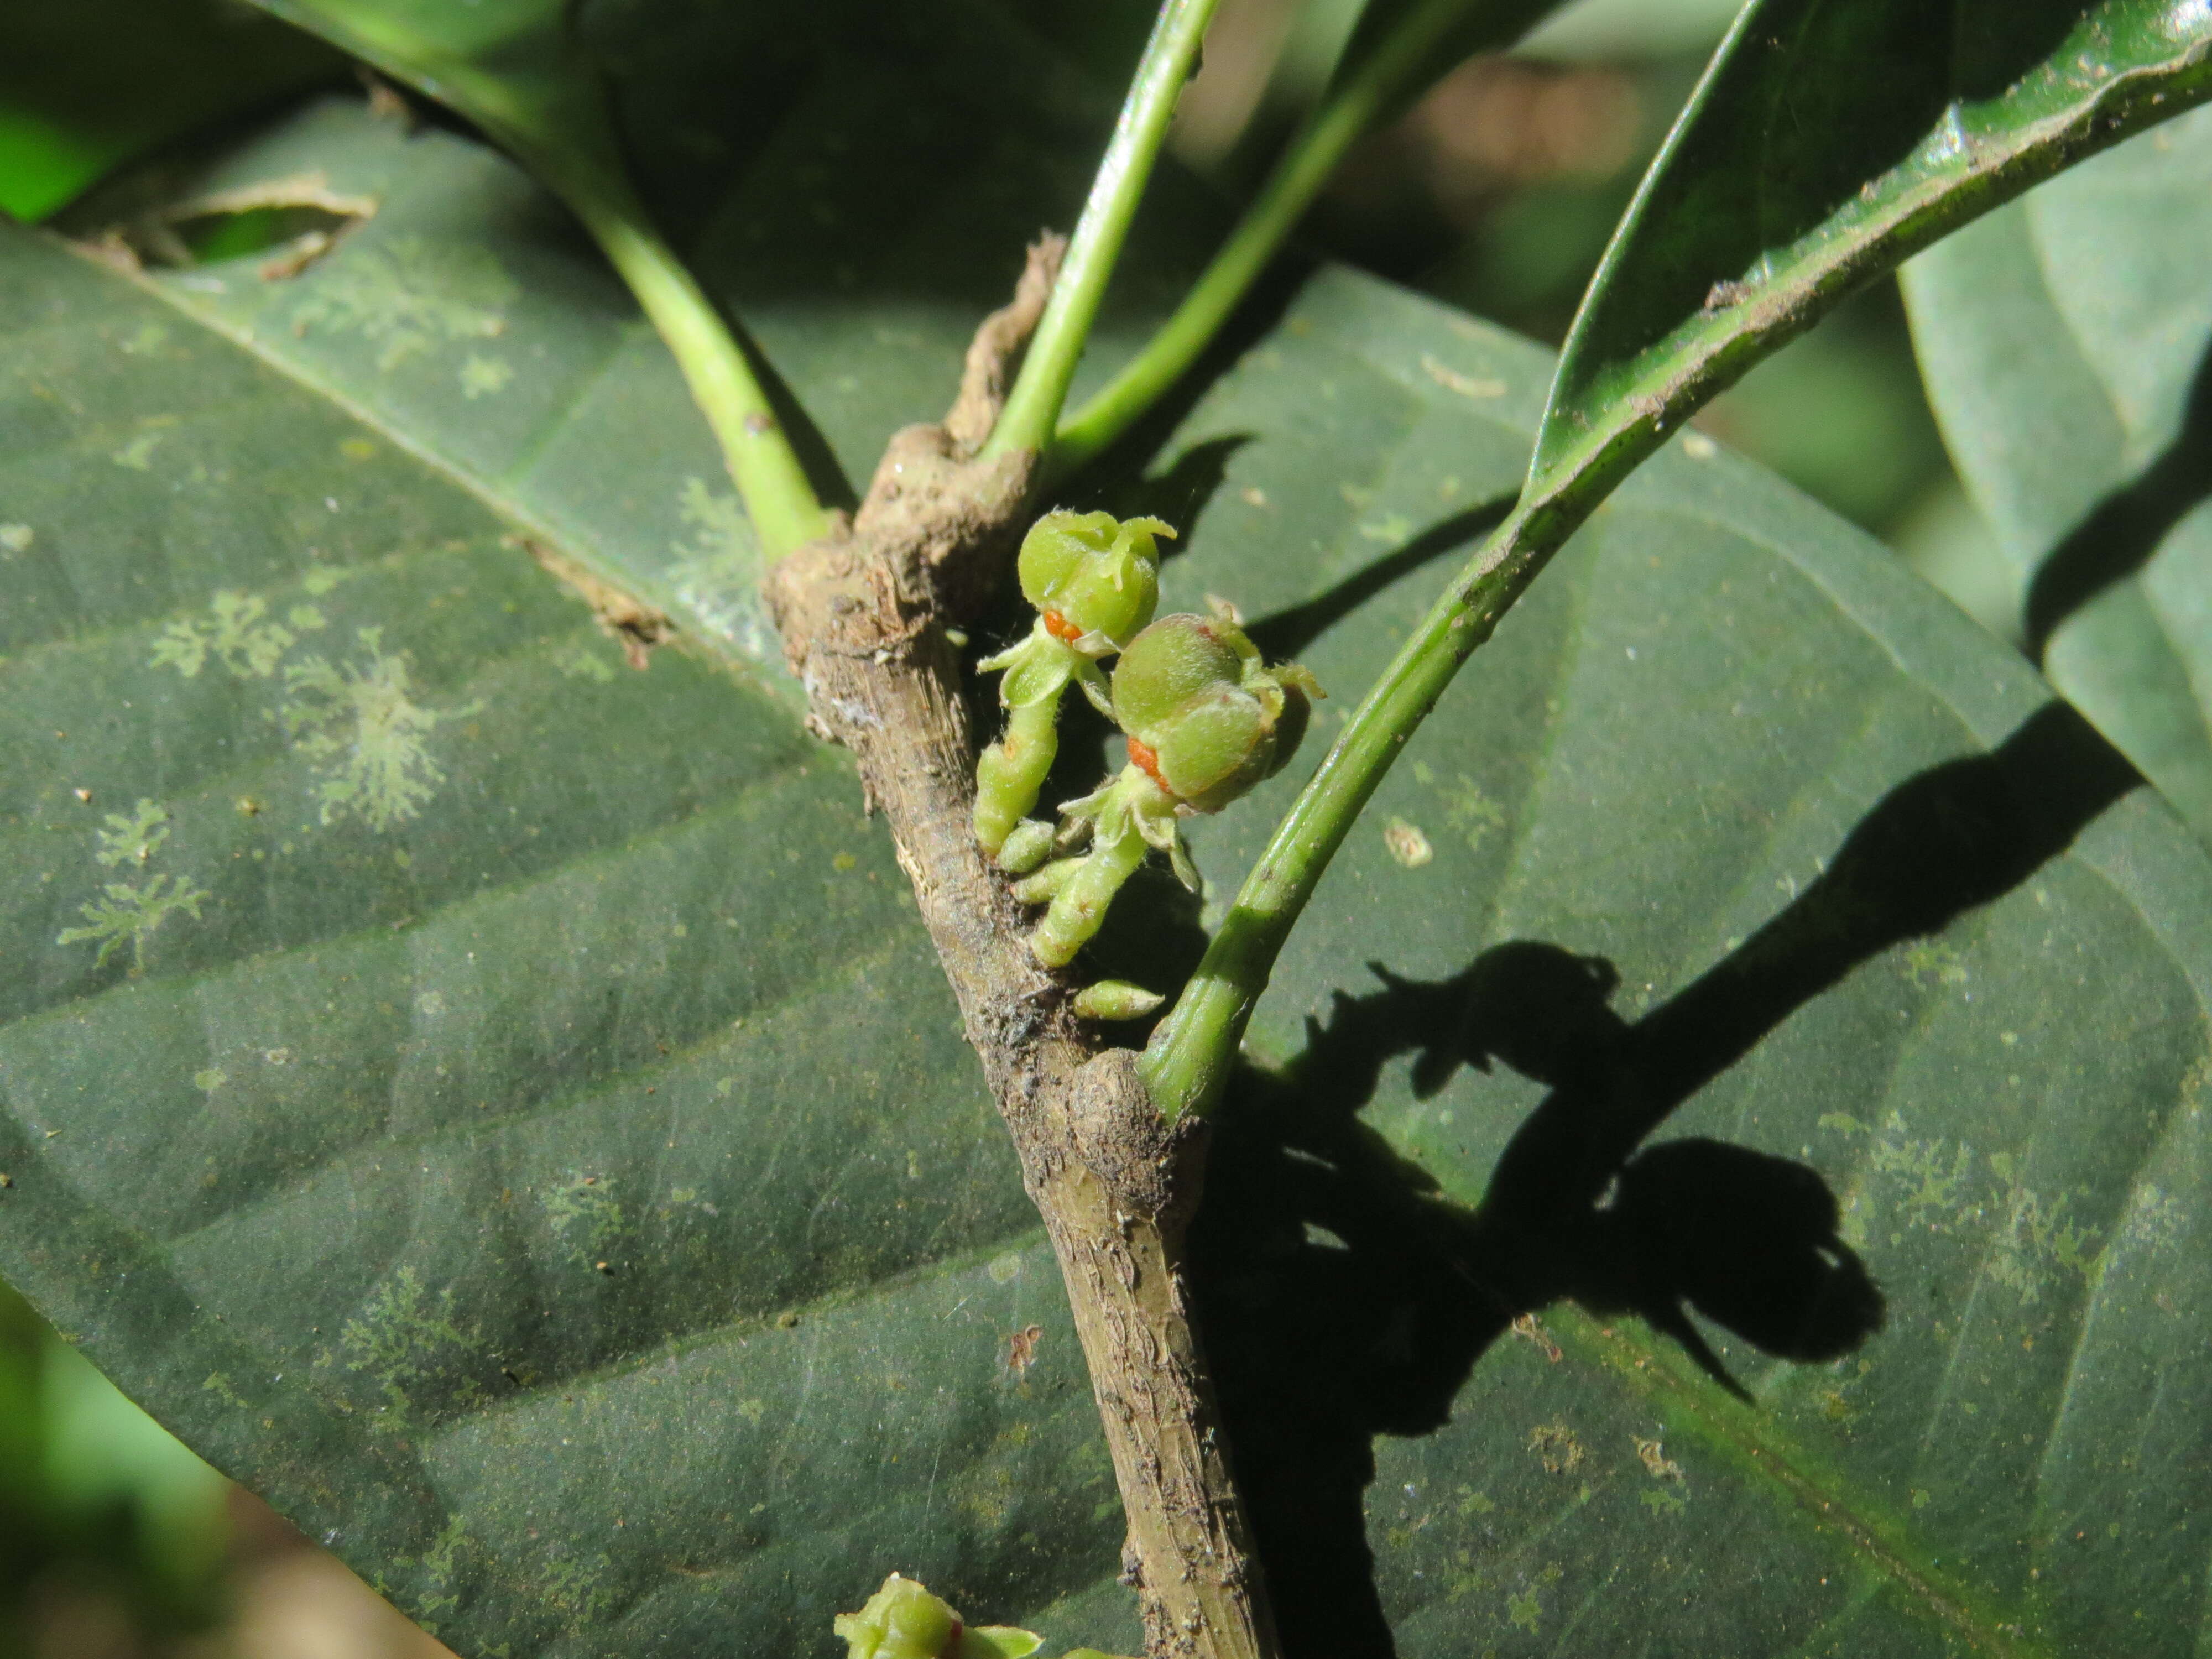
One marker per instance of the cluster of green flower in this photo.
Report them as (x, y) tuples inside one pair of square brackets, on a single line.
[(1205, 719), (903, 1621)]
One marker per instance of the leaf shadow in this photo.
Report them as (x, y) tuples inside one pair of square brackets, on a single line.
[(1343, 1296), (1180, 492), (2124, 531), (1283, 634)]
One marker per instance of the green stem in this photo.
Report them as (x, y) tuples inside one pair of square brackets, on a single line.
[(581, 167), (1032, 409), (1189, 1057), (1410, 54), (778, 496), (1582, 454)]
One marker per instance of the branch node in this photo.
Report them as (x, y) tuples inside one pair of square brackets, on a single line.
[(995, 354)]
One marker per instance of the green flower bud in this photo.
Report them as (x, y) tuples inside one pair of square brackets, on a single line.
[(902, 1620), (1095, 579), (1127, 819), (1116, 999), (1027, 845), (1206, 718)]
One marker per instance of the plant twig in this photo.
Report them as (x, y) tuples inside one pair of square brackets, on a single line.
[(1032, 409), (1187, 1060), (1421, 44), (863, 612)]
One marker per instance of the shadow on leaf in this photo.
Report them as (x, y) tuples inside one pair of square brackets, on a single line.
[(2125, 530), (1343, 1296)]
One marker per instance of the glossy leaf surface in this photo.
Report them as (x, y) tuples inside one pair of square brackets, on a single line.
[(545, 964), (2064, 343), (1826, 143)]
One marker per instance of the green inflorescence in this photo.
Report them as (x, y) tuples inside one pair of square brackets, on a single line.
[(903, 1621), (1094, 581), (1206, 719)]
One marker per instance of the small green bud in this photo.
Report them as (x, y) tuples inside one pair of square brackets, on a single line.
[(1009, 774), (903, 1621), (1128, 817), (1027, 845), (1206, 718), (1116, 999), (1093, 578)]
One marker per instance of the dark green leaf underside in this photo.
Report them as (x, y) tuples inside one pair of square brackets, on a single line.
[(327, 1181)]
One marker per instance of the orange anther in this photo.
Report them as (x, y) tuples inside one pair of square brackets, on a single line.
[(1147, 761)]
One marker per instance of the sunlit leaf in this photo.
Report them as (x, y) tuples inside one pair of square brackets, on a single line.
[(1826, 143), (2064, 345), (547, 1166)]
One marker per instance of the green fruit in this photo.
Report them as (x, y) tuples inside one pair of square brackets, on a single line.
[(1091, 573), (1206, 719)]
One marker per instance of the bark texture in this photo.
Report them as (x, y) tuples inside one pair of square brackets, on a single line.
[(863, 613)]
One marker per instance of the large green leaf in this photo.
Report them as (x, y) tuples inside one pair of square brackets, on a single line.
[(510, 962), (1825, 145), (2064, 342)]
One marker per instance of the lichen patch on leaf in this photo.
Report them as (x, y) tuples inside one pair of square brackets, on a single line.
[(484, 377), (2034, 1237), (357, 722), (586, 1217), (1470, 811), (1652, 1453), (132, 837), (1558, 1448), (403, 1336), (717, 569), (237, 633), (1406, 843), (130, 913), (410, 294), (124, 915)]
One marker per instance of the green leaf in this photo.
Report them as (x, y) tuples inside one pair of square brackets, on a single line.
[(544, 962), (2064, 342), (1825, 145), (88, 85), (1730, 747), (524, 71), (514, 67)]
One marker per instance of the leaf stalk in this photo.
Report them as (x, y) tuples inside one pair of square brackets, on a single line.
[(1576, 465), (1418, 46), (1032, 408), (778, 496)]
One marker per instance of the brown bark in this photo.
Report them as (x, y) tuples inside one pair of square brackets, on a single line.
[(863, 613)]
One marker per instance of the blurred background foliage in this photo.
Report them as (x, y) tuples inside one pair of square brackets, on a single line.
[(1495, 193)]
